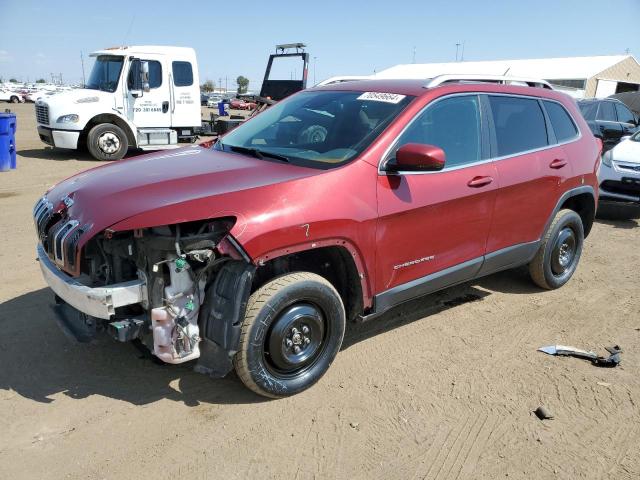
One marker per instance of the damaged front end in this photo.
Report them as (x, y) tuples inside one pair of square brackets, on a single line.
[(181, 290)]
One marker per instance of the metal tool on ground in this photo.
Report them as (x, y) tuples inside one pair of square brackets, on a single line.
[(611, 361)]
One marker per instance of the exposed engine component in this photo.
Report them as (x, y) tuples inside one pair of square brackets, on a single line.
[(175, 325)]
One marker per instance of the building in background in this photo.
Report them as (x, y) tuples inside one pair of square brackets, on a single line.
[(581, 77)]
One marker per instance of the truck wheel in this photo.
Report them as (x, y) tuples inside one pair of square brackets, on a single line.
[(14, 99), (560, 251), (292, 331), (107, 142)]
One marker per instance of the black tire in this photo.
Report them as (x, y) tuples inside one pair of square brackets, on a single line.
[(14, 99), (107, 142), (559, 254), (301, 302)]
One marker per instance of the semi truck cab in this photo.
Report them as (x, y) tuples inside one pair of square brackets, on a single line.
[(144, 97)]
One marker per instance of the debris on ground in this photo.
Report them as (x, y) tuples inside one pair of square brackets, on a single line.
[(611, 361), (543, 413)]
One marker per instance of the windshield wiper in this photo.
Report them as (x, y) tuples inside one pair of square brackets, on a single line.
[(256, 152)]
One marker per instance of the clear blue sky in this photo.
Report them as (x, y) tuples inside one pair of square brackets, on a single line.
[(346, 37)]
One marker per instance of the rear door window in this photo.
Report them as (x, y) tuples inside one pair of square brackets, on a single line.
[(182, 74), (624, 114), (607, 112), (453, 124), (519, 124), (561, 121)]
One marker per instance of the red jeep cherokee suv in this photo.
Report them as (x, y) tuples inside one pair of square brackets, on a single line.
[(335, 204)]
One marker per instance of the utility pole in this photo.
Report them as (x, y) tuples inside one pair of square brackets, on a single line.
[(457, 48), (226, 84), (462, 54), (414, 54), (315, 62), (82, 63)]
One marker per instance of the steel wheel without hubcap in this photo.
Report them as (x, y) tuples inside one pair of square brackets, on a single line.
[(295, 340), (564, 251), (109, 143)]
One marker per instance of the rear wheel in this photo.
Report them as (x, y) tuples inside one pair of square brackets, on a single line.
[(292, 331), (107, 142), (559, 253), (14, 99)]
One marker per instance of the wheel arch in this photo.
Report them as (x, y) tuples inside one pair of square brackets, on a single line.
[(581, 200), (108, 118), (337, 263)]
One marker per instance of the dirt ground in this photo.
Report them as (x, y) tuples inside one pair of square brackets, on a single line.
[(440, 388)]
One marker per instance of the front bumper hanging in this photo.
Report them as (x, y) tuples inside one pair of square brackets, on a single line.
[(99, 302)]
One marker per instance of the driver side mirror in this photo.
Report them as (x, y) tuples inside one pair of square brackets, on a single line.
[(418, 157), (144, 67)]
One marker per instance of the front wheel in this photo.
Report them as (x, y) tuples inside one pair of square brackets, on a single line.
[(292, 331), (559, 253), (14, 99), (107, 142)]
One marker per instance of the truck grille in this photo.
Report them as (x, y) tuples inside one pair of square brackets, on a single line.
[(42, 113), (59, 236)]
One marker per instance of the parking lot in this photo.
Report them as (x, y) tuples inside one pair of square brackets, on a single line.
[(439, 388)]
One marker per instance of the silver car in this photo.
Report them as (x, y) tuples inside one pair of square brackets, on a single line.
[(619, 174)]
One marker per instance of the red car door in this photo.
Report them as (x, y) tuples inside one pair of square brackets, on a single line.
[(532, 167), (433, 226)]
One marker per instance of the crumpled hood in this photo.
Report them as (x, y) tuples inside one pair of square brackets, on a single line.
[(163, 188), (627, 151)]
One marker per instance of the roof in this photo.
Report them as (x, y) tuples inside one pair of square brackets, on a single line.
[(418, 87), (547, 68), (412, 87), (142, 49)]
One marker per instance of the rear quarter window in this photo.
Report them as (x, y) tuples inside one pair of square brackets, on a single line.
[(607, 112), (588, 110), (182, 74), (519, 124), (561, 121)]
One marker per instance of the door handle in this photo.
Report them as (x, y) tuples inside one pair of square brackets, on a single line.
[(558, 163), (477, 182), (165, 107)]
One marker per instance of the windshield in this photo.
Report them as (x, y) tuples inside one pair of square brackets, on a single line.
[(588, 110), (320, 129), (105, 73)]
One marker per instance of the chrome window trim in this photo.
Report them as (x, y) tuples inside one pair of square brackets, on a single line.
[(480, 162)]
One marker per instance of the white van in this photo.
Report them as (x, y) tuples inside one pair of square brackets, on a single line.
[(145, 97)]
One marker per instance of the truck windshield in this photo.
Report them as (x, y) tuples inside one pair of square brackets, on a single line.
[(105, 73), (319, 129)]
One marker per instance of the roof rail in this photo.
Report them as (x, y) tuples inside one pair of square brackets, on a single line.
[(450, 78)]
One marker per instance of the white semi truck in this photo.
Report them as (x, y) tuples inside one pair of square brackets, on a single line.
[(145, 97)]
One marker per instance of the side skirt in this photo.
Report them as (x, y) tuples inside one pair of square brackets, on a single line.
[(493, 262)]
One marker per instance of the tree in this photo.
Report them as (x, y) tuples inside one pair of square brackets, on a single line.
[(41, 80), (208, 86), (243, 84), (13, 80)]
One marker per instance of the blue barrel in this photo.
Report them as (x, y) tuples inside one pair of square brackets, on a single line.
[(221, 110), (7, 141)]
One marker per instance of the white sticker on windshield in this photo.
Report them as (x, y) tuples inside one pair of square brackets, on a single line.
[(382, 97)]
